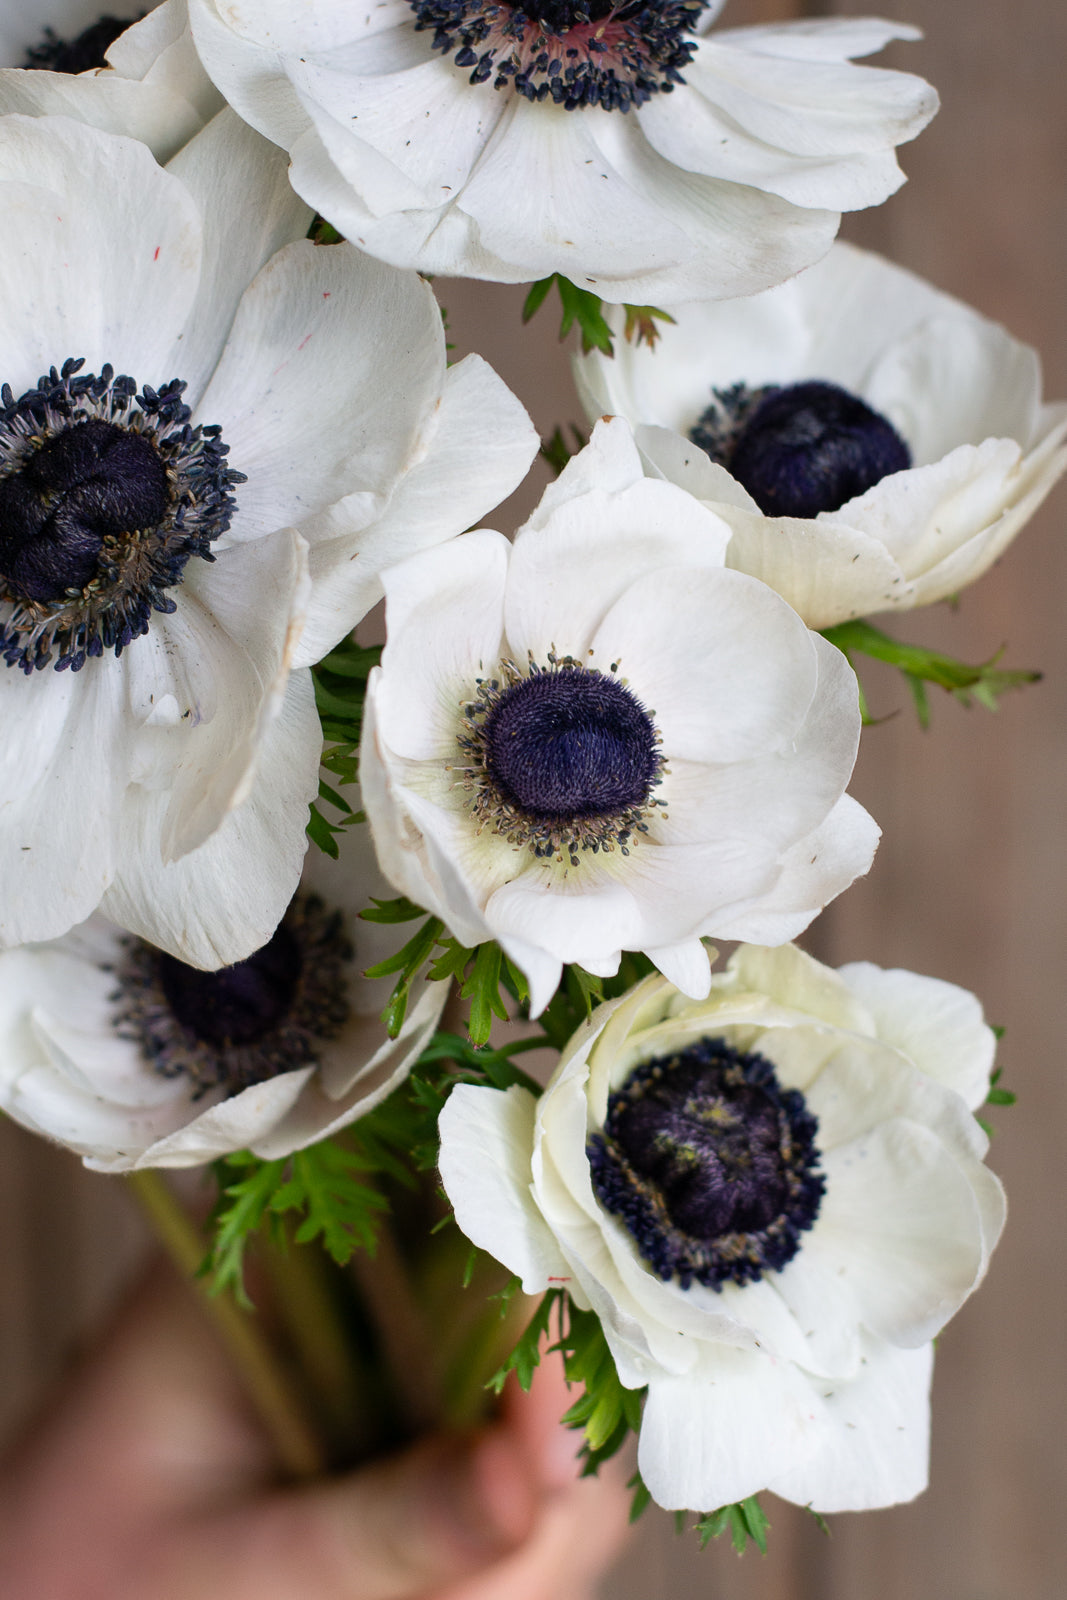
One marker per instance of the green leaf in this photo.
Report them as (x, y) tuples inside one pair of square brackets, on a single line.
[(985, 682), (606, 1412), (557, 452), (525, 1358), (233, 1224), (745, 1520), (578, 306), (326, 1187), (642, 1498), (408, 961), (321, 832), (482, 989), (399, 910)]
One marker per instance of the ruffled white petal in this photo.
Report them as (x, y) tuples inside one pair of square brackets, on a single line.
[(101, 252), (872, 1442), (474, 448), (222, 902), (299, 384), (937, 1025), (486, 1142)]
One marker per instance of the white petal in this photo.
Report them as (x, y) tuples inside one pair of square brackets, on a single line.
[(241, 186), (813, 872), (100, 251), (900, 1221), (329, 365), (444, 611), (937, 1025), (725, 668), (568, 572), (873, 1443), (474, 449), (829, 572), (722, 1434), (955, 380), (232, 1124), (63, 765), (486, 1144), (256, 853)]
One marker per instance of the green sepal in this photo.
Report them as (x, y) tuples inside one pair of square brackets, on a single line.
[(745, 1520), (984, 683)]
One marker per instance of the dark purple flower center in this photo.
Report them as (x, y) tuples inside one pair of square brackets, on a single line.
[(573, 52), (247, 1022), (106, 493), (238, 1004), (563, 758), (570, 744), (801, 449), (710, 1163), (84, 485), (82, 54)]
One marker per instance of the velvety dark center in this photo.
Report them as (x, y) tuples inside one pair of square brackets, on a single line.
[(81, 54), (810, 447), (712, 1152), (710, 1163), (570, 744), (88, 483), (240, 1004), (559, 15)]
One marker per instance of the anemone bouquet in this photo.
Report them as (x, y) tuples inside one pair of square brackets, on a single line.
[(363, 844)]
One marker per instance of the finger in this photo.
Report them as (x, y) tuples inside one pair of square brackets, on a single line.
[(440, 1512), (578, 1534)]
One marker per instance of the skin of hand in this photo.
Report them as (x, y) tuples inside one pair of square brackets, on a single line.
[(149, 1479)]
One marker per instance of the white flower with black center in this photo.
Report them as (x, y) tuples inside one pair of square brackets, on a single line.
[(234, 431), (773, 1199), (873, 443), (619, 146), (103, 66), (599, 739), (132, 1059)]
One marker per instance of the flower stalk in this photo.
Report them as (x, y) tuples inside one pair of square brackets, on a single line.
[(265, 1383)]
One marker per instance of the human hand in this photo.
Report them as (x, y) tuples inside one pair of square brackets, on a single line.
[(150, 1479)]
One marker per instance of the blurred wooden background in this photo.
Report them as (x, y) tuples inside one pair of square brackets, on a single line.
[(970, 884)]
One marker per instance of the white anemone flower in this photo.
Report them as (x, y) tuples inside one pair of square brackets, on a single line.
[(158, 594), (873, 443), (131, 1059), (598, 739), (773, 1200), (614, 145), (143, 80)]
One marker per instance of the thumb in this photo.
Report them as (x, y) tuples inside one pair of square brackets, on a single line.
[(431, 1516)]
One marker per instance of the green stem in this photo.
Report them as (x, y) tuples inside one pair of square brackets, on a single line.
[(267, 1388)]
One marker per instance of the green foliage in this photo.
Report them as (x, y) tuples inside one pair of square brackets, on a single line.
[(408, 962), (642, 1498), (996, 1097), (334, 1190), (323, 232), (744, 1521), (641, 324), (584, 309), (578, 306), (480, 971), (525, 1358), (340, 681), (557, 452), (606, 1412), (984, 683)]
